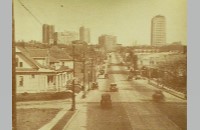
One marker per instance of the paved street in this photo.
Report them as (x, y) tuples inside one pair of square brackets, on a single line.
[(133, 108)]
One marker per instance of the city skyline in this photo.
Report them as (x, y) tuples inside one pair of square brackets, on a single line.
[(129, 20)]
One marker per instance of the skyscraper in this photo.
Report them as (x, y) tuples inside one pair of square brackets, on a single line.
[(108, 42), (84, 34), (48, 33), (158, 30)]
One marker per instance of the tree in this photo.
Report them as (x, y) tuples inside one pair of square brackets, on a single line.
[(175, 72)]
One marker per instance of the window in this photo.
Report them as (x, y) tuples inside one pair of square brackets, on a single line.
[(20, 64), (21, 81), (17, 61), (33, 76), (50, 78)]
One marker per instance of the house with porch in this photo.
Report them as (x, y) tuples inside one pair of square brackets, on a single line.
[(34, 73)]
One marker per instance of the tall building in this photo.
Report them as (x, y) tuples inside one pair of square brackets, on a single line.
[(84, 34), (158, 30), (108, 42), (48, 33), (65, 37)]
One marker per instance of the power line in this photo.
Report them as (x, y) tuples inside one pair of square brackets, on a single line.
[(30, 12)]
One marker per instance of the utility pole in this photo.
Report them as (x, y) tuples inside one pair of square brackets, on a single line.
[(149, 73), (92, 70), (73, 82), (14, 124), (73, 107), (84, 78)]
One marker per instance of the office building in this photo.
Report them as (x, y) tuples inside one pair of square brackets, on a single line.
[(48, 34), (158, 31), (108, 42), (84, 34), (65, 37)]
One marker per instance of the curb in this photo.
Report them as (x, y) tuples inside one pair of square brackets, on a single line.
[(54, 121), (173, 92), (71, 119), (59, 116)]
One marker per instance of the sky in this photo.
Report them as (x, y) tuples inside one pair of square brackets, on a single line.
[(129, 20)]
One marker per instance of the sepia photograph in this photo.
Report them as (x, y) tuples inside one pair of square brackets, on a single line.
[(99, 64)]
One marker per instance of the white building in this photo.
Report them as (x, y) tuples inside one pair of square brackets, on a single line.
[(65, 37), (84, 34), (33, 77), (158, 31)]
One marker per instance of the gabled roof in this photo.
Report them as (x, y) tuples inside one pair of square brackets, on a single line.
[(22, 51), (53, 60), (38, 52), (59, 53), (25, 53)]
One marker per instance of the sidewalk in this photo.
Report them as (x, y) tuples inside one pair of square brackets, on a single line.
[(76, 122), (79, 120), (62, 112)]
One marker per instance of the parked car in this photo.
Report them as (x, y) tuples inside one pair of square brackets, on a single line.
[(106, 76), (95, 85), (113, 87), (106, 101), (158, 96), (138, 77), (129, 77), (102, 72)]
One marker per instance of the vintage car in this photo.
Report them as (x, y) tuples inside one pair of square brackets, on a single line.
[(106, 101), (106, 76), (102, 72), (158, 95), (113, 87), (130, 77), (138, 77), (95, 85)]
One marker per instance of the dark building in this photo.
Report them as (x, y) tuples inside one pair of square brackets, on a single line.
[(48, 33)]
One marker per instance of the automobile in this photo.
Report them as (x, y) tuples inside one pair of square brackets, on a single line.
[(158, 95), (106, 101), (129, 77), (113, 87), (95, 85), (138, 77), (106, 76), (102, 71)]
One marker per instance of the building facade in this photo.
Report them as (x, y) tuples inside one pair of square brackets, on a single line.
[(33, 75), (48, 34), (108, 42), (65, 37), (84, 34), (158, 31)]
